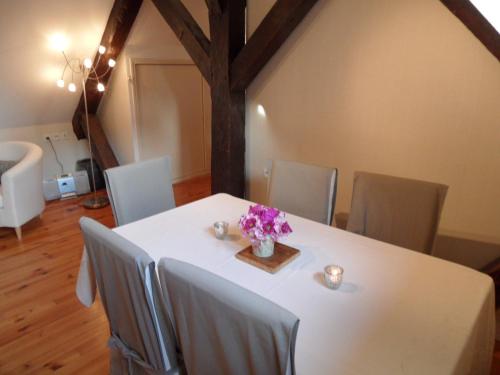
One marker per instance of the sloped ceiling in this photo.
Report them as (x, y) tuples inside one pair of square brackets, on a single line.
[(29, 64)]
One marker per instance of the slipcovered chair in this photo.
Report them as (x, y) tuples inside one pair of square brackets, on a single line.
[(396, 210), (21, 186), (141, 336), (304, 190), (140, 189), (223, 328)]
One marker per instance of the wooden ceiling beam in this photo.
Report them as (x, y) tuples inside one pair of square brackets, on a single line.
[(215, 6), (472, 18), (120, 21), (272, 32), (103, 154), (188, 32)]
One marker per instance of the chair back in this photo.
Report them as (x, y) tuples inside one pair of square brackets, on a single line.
[(396, 210), (140, 189), (142, 339), (225, 329), (304, 190), (14, 151), (21, 185)]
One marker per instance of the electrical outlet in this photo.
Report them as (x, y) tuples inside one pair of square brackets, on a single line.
[(54, 137), (268, 168)]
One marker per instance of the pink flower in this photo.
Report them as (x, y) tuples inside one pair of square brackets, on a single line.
[(269, 215), (262, 222), (257, 210), (285, 228)]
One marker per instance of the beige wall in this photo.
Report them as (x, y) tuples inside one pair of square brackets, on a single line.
[(115, 114), (150, 38), (171, 117), (399, 87)]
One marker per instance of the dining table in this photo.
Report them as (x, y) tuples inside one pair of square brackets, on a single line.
[(397, 311)]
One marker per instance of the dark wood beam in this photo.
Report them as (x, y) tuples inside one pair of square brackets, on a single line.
[(188, 32), (215, 5), (272, 32), (120, 21), (466, 12), (227, 31), (103, 154)]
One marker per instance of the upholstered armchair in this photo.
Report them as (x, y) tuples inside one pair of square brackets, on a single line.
[(21, 193)]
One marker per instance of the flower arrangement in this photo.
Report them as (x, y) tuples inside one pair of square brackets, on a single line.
[(262, 223)]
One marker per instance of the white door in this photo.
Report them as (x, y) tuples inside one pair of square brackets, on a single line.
[(172, 118)]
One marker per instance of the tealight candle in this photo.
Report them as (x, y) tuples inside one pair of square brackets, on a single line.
[(333, 276), (221, 228)]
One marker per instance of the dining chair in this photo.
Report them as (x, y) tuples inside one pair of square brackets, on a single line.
[(140, 189), (223, 328), (396, 210), (304, 190), (142, 340)]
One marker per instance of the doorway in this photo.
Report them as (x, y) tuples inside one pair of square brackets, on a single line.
[(173, 116)]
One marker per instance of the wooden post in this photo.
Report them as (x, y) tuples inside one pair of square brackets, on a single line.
[(230, 67), (227, 32)]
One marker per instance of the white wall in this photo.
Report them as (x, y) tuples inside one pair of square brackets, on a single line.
[(69, 151), (30, 65), (399, 87), (150, 38), (30, 103)]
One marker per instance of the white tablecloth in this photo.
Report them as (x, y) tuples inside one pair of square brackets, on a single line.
[(397, 312)]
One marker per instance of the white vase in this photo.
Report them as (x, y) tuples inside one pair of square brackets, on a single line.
[(263, 249)]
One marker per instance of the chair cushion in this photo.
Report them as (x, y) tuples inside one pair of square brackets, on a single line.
[(6, 165)]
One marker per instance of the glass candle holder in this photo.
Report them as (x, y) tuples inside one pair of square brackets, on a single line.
[(221, 229), (333, 276)]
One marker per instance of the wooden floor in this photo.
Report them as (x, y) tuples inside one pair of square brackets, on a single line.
[(43, 327)]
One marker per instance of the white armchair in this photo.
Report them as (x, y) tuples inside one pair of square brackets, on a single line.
[(21, 191)]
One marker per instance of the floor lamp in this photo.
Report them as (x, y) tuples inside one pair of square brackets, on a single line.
[(85, 70)]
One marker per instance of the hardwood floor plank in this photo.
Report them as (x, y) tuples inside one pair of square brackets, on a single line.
[(43, 327)]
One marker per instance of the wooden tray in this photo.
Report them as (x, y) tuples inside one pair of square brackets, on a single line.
[(283, 255)]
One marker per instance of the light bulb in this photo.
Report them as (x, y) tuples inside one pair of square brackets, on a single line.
[(87, 63), (59, 42), (72, 87), (102, 49), (111, 63), (60, 83), (261, 111), (100, 87)]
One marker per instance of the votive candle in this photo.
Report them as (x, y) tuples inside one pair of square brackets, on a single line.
[(333, 276)]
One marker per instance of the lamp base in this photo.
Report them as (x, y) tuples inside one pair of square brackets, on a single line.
[(95, 203)]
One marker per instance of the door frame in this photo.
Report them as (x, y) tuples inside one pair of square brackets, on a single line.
[(134, 105)]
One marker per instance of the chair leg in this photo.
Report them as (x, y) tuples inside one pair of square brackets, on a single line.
[(19, 233)]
